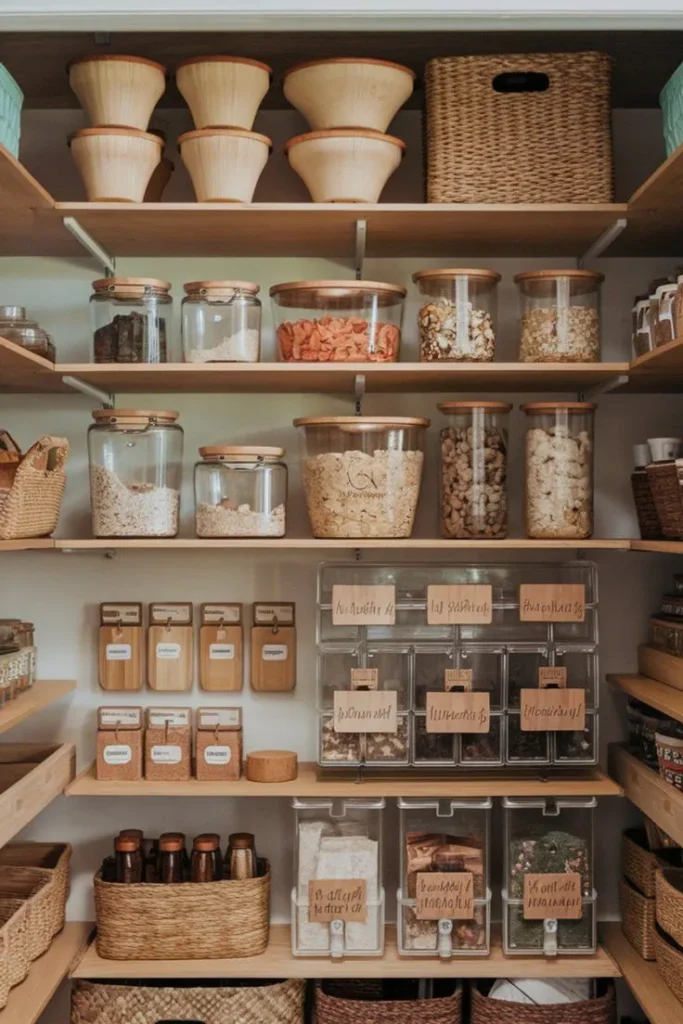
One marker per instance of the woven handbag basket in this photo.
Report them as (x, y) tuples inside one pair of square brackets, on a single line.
[(215, 920), (638, 864), (669, 963), (488, 146), (52, 857), (637, 919), (280, 1002), (591, 1011), (335, 1009), (30, 507), (666, 484), (669, 901)]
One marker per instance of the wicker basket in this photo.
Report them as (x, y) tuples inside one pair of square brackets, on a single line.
[(637, 919), (669, 901), (35, 888), (30, 507), (669, 959), (4, 969), (489, 146), (280, 1002), (646, 510), (13, 932), (182, 922), (666, 484), (340, 1009), (52, 857), (638, 863), (591, 1011)]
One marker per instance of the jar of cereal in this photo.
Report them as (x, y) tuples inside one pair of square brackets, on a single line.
[(560, 316)]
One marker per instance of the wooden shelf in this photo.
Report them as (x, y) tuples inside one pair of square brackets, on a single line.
[(23, 371), (32, 544), (651, 692), (344, 782), (278, 962), (656, 1000), (28, 225), (350, 544), (28, 1000), (41, 695), (661, 547), (655, 213), (650, 793), (660, 370), (31, 776)]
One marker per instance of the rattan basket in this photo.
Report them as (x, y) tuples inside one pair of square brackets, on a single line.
[(669, 901), (52, 857), (638, 863), (666, 484), (488, 146), (30, 507), (669, 963), (646, 510), (215, 920), (35, 888), (278, 1002), (637, 919), (590, 1011), (13, 933), (354, 1009)]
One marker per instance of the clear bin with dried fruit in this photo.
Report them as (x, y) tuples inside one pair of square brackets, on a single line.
[(457, 317), (560, 316), (338, 321), (240, 491), (473, 455)]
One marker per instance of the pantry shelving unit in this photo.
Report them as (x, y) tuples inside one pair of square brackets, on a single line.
[(25, 793), (657, 695), (656, 798), (642, 978), (41, 695), (28, 1000)]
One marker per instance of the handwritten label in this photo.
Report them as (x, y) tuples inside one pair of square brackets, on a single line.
[(117, 753), (552, 675), (157, 717), (180, 614), (118, 652), (444, 894), (553, 710), (458, 712), (214, 718), (168, 652), (166, 753), (356, 605), (365, 711), (335, 900), (267, 614), (217, 755), (553, 896), (214, 614), (125, 614), (460, 604), (274, 652), (112, 718), (221, 652), (552, 602), (458, 678), (364, 678)]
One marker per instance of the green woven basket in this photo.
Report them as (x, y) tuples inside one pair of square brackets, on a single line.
[(671, 101), (11, 99)]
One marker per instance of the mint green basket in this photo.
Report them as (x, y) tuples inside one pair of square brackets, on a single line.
[(11, 99), (671, 102)]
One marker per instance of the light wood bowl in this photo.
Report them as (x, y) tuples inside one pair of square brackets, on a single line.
[(225, 164), (345, 165), (223, 92), (115, 164), (348, 92), (117, 91)]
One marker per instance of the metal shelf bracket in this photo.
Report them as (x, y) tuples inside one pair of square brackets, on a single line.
[(361, 241), (90, 391), (604, 388), (601, 244), (106, 261)]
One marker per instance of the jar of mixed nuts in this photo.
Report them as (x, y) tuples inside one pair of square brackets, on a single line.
[(132, 320), (457, 319), (560, 316), (473, 469)]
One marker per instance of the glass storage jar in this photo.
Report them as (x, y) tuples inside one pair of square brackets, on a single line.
[(221, 322), (240, 491), (473, 453), (362, 474), (553, 838), (338, 321), (664, 305), (132, 320), (560, 316), (337, 841), (457, 318), (643, 340), (558, 500), (14, 326), (445, 842), (135, 472)]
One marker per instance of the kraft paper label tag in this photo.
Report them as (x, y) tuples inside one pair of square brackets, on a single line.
[(166, 753), (365, 711), (157, 717), (552, 602), (168, 652), (179, 614), (221, 652), (214, 614), (458, 712), (274, 652), (460, 604), (217, 755), (555, 675), (266, 614), (337, 900), (458, 678), (360, 605), (553, 896), (117, 753), (125, 614), (118, 652), (216, 718), (364, 678), (130, 718), (444, 894), (553, 710)]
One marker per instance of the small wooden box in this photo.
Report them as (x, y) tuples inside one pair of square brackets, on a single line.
[(170, 647), (273, 648), (121, 648), (219, 744), (119, 744), (168, 745), (221, 648)]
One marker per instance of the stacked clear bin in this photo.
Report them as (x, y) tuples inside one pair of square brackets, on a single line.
[(412, 658), (547, 836), (444, 836), (338, 839)]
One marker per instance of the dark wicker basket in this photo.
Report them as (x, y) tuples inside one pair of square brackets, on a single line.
[(637, 919), (666, 483), (355, 1003), (638, 863), (646, 510), (591, 1011)]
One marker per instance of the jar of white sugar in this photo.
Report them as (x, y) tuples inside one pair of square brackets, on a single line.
[(221, 322), (136, 458)]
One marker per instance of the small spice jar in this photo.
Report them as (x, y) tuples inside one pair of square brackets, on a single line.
[(221, 322), (240, 491), (560, 316), (559, 470), (132, 317), (14, 326), (473, 469), (457, 319), (643, 340), (664, 302)]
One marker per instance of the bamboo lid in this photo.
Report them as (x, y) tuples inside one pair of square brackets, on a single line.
[(170, 844), (345, 133), (98, 57), (271, 766), (350, 60), (346, 294), (135, 133), (352, 424), (239, 133), (452, 272), (539, 275), (205, 843), (241, 840), (489, 406), (220, 58), (553, 406), (126, 844), (240, 453), (222, 286), (129, 287), (134, 417)]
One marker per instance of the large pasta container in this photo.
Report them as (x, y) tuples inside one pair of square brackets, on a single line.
[(443, 904)]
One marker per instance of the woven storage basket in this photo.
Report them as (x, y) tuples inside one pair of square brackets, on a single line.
[(638, 863), (669, 901), (35, 888), (591, 1011), (182, 922), (646, 510), (53, 857), (486, 146), (279, 1002), (4, 969), (666, 484), (637, 919), (30, 507), (337, 1009), (14, 932), (669, 963)]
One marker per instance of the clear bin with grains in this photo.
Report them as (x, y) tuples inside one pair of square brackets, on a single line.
[(560, 316), (457, 317), (240, 491)]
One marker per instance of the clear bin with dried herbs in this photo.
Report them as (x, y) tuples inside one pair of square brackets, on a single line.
[(132, 320), (456, 320), (560, 316)]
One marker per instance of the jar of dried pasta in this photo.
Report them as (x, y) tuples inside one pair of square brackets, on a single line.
[(560, 316), (457, 317)]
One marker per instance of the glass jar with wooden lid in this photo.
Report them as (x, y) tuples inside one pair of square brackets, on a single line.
[(221, 322), (560, 316), (457, 317), (16, 327), (132, 320), (240, 491)]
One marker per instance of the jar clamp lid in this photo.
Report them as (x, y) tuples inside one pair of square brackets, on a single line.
[(140, 418), (221, 287), (130, 287), (449, 407), (241, 453)]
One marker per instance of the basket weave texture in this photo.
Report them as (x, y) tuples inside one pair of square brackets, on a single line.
[(30, 507), (637, 919), (666, 484), (53, 857), (638, 864), (337, 1010), (646, 510), (591, 1011), (486, 146), (214, 920), (278, 1003), (669, 964), (669, 901)]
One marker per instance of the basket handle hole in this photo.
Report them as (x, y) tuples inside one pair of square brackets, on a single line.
[(521, 81)]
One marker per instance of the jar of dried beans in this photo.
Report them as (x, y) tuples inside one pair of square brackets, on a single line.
[(560, 316), (135, 472), (132, 319), (240, 491), (457, 318), (473, 469), (221, 322), (338, 321)]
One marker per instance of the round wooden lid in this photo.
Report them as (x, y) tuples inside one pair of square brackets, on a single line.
[(136, 133), (221, 58), (361, 422), (240, 453), (271, 766), (170, 844), (540, 275), (345, 133), (222, 286), (129, 285), (464, 406), (313, 294), (240, 133), (553, 406), (241, 840), (350, 60), (97, 57), (134, 417), (126, 844), (205, 843), (453, 272)]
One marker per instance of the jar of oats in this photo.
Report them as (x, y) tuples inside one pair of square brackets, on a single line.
[(559, 470), (240, 491), (560, 316), (473, 451), (457, 315), (362, 474)]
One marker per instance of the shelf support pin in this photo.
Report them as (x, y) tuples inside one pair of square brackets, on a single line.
[(601, 244), (361, 240), (359, 391), (106, 261), (90, 391)]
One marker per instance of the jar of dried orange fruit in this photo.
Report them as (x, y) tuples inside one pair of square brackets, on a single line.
[(338, 321)]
